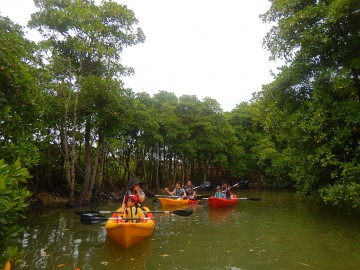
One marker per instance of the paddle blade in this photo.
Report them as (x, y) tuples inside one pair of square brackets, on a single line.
[(206, 184), (91, 219), (86, 212), (182, 212), (201, 197), (250, 199)]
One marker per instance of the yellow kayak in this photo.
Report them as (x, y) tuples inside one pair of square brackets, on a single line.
[(170, 202), (127, 233)]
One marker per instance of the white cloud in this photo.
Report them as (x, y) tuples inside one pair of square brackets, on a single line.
[(204, 48)]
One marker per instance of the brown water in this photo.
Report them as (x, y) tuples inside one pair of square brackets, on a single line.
[(279, 232)]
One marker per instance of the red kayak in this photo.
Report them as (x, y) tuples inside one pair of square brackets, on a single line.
[(221, 202)]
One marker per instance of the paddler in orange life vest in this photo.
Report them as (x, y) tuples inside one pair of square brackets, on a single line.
[(134, 188), (132, 209), (226, 191)]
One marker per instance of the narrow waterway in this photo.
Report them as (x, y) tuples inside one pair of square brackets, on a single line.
[(278, 232)]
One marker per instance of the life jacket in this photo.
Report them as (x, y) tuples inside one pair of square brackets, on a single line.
[(133, 212), (219, 194), (226, 193), (190, 190), (180, 192)]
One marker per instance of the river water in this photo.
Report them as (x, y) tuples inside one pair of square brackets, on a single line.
[(278, 232)]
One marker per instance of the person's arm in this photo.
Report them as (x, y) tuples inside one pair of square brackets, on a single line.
[(170, 193), (123, 206), (231, 194), (184, 195), (140, 194)]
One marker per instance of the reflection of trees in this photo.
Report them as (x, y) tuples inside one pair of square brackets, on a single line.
[(284, 232), (56, 238)]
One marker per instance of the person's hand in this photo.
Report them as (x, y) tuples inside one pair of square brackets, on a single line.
[(166, 189)]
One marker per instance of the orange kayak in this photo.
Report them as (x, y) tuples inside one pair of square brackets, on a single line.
[(170, 202), (128, 234)]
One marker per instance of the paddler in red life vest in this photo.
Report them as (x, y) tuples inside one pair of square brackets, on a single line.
[(133, 209), (226, 191)]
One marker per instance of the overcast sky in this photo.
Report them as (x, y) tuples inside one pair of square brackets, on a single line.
[(207, 48)]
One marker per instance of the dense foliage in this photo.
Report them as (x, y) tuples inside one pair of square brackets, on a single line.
[(66, 116), (312, 107), (13, 204), (19, 125)]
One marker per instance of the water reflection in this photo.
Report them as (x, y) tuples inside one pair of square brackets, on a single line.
[(118, 257), (279, 232), (220, 215)]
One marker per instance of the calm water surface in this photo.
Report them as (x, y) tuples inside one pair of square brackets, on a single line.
[(279, 232)]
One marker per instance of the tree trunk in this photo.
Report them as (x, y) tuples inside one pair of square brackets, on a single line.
[(68, 151), (85, 195), (95, 168), (157, 165)]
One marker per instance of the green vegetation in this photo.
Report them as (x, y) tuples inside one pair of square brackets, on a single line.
[(312, 107), (13, 196), (67, 119)]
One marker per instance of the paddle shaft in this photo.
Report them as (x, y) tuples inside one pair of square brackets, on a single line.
[(249, 199), (237, 183), (93, 219), (168, 196), (180, 212)]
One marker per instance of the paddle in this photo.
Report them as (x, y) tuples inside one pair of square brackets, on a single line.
[(242, 181), (249, 199), (90, 219), (205, 184), (180, 212), (167, 196)]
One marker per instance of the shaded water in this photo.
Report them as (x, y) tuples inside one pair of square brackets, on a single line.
[(279, 232)]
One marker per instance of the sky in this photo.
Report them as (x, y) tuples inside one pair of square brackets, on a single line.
[(207, 48)]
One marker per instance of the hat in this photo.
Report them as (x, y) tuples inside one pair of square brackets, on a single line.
[(134, 198), (218, 187), (133, 183)]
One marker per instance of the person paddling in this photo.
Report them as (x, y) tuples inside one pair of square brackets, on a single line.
[(178, 191), (190, 191), (226, 191), (133, 209), (218, 193), (134, 188)]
